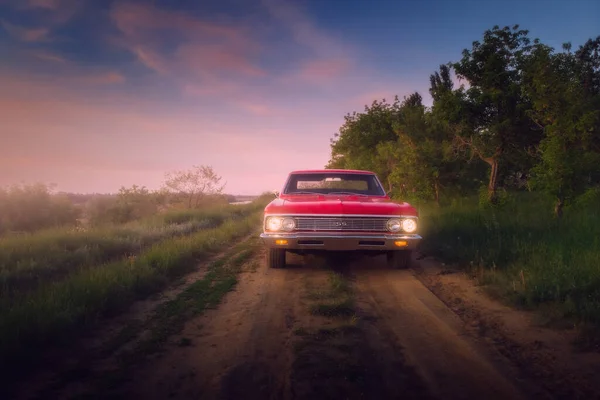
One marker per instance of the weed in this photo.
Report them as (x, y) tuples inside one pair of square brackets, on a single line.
[(33, 260), (339, 308), (57, 312), (522, 252)]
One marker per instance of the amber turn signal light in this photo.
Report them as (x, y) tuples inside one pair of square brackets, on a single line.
[(401, 243), (281, 242)]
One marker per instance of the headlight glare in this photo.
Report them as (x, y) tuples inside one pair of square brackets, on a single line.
[(394, 225), (409, 225), (288, 224), (274, 223)]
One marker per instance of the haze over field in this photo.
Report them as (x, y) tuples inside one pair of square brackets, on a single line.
[(102, 94)]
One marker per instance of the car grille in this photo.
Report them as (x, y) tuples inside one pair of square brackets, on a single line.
[(341, 224)]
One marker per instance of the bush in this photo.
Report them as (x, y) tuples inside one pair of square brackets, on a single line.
[(27, 208), (130, 204), (528, 256)]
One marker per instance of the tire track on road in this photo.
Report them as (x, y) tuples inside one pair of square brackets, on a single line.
[(430, 336)]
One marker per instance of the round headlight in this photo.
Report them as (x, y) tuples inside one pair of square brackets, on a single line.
[(409, 225), (288, 224), (274, 223), (394, 225)]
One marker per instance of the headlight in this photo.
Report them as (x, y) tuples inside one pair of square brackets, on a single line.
[(274, 223), (409, 225), (288, 224), (394, 225)]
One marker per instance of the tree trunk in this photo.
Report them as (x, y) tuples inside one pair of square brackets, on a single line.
[(436, 188), (558, 208), (493, 183)]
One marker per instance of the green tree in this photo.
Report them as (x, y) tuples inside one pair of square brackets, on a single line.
[(398, 143), (354, 145), (564, 89), (135, 203), (489, 118), (417, 169)]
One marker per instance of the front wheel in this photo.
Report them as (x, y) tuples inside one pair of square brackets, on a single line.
[(276, 258), (399, 259)]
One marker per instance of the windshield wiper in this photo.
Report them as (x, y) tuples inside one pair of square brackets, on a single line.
[(315, 193)]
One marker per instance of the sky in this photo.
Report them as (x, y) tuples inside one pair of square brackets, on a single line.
[(99, 94)]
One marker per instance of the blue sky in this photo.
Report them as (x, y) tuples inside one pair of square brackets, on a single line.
[(100, 94)]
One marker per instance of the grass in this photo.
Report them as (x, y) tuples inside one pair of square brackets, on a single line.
[(336, 300), (166, 321), (338, 308), (28, 261), (522, 252), (206, 293), (56, 313), (334, 354)]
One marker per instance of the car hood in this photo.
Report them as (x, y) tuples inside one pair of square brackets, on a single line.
[(339, 205)]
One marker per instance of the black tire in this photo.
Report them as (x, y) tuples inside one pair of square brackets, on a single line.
[(399, 259), (276, 258)]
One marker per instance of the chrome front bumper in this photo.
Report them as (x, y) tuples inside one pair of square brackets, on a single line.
[(340, 242)]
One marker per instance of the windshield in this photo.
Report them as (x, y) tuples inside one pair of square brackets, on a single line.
[(327, 183)]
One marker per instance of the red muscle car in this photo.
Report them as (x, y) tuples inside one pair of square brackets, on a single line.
[(338, 210)]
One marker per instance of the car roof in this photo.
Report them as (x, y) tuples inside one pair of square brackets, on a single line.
[(325, 171)]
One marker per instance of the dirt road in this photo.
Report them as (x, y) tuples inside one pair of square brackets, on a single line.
[(264, 342), (322, 329)]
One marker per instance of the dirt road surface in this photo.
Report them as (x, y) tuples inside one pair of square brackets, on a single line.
[(431, 337), (347, 330)]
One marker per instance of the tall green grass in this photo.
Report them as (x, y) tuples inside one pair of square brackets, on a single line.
[(30, 260), (523, 251), (55, 313)]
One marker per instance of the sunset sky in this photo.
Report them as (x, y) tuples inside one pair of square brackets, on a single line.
[(99, 94)]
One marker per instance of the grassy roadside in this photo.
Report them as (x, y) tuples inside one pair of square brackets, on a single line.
[(523, 253), (165, 322), (31, 260), (206, 293), (56, 313)]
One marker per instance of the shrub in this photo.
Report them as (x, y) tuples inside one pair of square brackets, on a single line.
[(27, 208)]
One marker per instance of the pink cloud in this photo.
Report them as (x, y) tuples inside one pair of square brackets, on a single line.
[(214, 87), (47, 56), (234, 112), (259, 109), (303, 29), (151, 59), (52, 133), (56, 12), (136, 19), (25, 34), (323, 70), (217, 58), (106, 78), (209, 58)]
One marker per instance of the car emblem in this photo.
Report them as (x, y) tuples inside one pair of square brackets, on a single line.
[(339, 224)]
